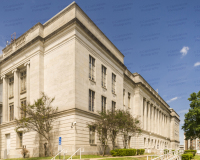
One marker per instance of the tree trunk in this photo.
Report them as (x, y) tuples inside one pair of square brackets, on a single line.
[(49, 148)]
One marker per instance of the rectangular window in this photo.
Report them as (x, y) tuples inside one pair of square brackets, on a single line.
[(20, 139), (103, 104), (23, 81), (113, 82), (0, 114), (124, 96), (92, 135), (23, 105), (91, 100), (11, 87), (103, 78), (91, 68), (113, 106), (129, 100), (11, 110)]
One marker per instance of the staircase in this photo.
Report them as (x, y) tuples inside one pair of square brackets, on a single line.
[(172, 155)]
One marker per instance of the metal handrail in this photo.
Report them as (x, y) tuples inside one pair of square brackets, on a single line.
[(57, 154), (75, 153)]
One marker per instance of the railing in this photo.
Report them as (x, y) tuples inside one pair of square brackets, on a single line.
[(169, 156), (75, 153), (58, 154)]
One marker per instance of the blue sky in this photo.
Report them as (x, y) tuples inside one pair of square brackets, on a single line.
[(160, 39)]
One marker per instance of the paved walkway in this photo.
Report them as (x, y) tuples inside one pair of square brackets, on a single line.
[(101, 158)]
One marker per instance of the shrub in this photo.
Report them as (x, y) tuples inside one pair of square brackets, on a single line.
[(185, 156), (113, 153), (166, 151), (138, 151), (142, 151), (190, 151), (24, 152), (123, 152)]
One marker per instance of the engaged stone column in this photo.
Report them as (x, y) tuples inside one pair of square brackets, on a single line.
[(152, 118), (16, 93), (145, 115), (149, 111), (5, 98), (27, 81)]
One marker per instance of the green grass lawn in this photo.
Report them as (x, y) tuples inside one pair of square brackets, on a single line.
[(197, 157)]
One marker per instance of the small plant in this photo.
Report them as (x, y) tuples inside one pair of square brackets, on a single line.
[(24, 152)]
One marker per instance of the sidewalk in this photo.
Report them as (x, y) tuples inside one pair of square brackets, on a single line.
[(102, 157)]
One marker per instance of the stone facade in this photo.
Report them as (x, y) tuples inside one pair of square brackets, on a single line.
[(54, 58)]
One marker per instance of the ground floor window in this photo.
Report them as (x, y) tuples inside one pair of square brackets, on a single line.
[(92, 135), (20, 139)]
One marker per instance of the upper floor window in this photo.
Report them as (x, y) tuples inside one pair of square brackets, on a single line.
[(103, 76), (23, 105), (23, 81), (113, 106), (113, 82), (124, 96), (91, 68), (91, 100), (103, 104), (11, 87), (129, 100), (11, 110), (0, 114)]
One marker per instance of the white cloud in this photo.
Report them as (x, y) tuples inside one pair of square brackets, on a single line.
[(173, 99), (184, 51), (197, 64), (183, 111)]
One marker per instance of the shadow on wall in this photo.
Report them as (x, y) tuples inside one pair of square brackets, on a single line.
[(54, 137), (100, 149)]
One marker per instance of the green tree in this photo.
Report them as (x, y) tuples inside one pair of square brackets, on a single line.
[(128, 125), (191, 124), (110, 124), (38, 117)]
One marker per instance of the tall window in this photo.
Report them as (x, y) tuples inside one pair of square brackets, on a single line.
[(11, 87), (91, 68), (20, 138), (0, 114), (113, 82), (129, 100), (124, 96), (91, 100), (103, 104), (23, 81), (113, 106), (11, 108), (23, 105), (92, 135), (103, 78)]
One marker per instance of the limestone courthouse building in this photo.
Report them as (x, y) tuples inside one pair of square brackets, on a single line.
[(70, 58)]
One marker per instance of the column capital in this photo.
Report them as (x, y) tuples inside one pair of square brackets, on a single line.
[(15, 70), (3, 77), (27, 63)]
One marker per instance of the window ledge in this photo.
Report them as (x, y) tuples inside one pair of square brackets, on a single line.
[(104, 87), (22, 92), (11, 97), (93, 81), (114, 94), (93, 144)]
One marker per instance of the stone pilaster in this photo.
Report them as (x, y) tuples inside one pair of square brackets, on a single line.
[(149, 111), (27, 81), (145, 115), (16, 93), (5, 98)]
